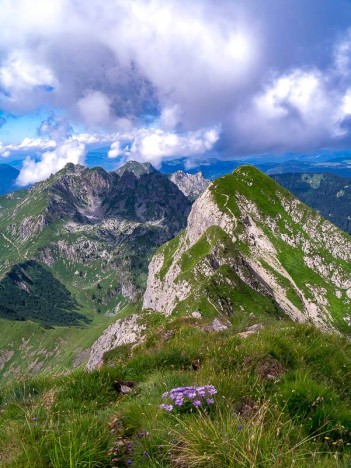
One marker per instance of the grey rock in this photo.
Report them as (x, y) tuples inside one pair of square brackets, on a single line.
[(192, 185), (217, 326)]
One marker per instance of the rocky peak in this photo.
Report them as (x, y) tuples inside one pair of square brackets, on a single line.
[(192, 185), (100, 225), (248, 232), (137, 168)]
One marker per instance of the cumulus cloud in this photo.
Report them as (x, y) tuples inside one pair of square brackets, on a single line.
[(115, 150), (27, 144), (51, 161), (154, 145), (55, 127), (300, 110), (53, 136), (95, 109), (116, 66), (20, 73)]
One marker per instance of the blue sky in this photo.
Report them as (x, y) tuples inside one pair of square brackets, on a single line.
[(159, 79)]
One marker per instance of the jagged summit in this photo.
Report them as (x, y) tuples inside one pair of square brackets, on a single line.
[(192, 185), (137, 168), (248, 237), (97, 223)]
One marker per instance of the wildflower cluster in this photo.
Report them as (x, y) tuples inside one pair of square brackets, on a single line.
[(195, 396)]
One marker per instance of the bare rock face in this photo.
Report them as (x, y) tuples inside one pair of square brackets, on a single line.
[(192, 185), (163, 294), (124, 331)]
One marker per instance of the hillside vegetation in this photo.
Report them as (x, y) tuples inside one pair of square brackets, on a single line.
[(328, 194), (281, 401)]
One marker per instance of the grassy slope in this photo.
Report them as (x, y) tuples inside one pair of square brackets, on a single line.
[(276, 404), (267, 195), (250, 184)]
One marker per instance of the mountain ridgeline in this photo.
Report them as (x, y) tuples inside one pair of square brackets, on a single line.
[(74, 250), (251, 245), (92, 229)]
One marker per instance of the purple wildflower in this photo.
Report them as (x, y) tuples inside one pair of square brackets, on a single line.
[(211, 389), (166, 407), (34, 419), (129, 462), (196, 395)]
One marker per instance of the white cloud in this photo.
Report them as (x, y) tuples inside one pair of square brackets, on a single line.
[(95, 109), (300, 91), (115, 150), (116, 63), (154, 145), (170, 117), (71, 151), (20, 74), (298, 110), (5, 153), (27, 144), (107, 59)]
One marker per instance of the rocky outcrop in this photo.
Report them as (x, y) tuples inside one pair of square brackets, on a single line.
[(124, 331), (192, 185), (163, 294)]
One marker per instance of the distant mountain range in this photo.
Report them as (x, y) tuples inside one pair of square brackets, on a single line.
[(213, 168), (210, 167)]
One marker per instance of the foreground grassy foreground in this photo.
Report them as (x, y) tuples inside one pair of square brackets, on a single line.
[(282, 399)]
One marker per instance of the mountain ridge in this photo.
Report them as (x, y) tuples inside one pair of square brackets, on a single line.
[(91, 232), (265, 223)]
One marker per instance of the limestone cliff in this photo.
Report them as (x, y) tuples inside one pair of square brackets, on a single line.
[(192, 185)]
